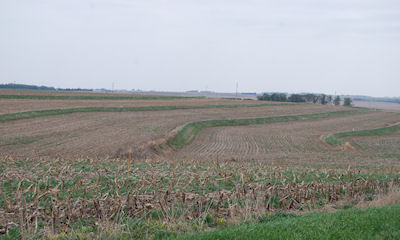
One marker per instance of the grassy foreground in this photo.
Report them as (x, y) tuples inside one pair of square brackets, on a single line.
[(190, 130), (372, 223), (51, 112), (334, 139)]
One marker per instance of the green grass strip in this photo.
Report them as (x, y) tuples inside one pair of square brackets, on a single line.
[(334, 139), (51, 112), (371, 223), (85, 97), (190, 130)]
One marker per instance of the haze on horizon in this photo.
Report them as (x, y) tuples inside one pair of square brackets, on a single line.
[(343, 46)]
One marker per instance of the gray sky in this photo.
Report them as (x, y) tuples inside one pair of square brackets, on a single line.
[(348, 46)]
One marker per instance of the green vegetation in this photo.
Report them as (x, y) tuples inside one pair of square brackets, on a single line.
[(93, 97), (190, 130), (337, 101), (277, 97), (310, 98), (334, 139), (331, 139), (324, 100), (347, 102), (17, 141), (372, 223), (52, 112), (13, 86)]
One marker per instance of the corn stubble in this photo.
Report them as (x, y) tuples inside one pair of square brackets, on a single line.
[(49, 196)]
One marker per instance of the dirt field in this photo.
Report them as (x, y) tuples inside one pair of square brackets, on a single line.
[(299, 142), (60, 93), (108, 134), (395, 107), (100, 134), (100, 175), (21, 105)]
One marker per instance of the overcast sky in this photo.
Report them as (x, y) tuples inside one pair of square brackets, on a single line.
[(347, 46)]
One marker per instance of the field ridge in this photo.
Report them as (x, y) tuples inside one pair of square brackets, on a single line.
[(334, 139), (51, 112), (190, 130)]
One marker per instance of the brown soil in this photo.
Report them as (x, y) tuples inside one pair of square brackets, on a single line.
[(99, 134), (299, 142), (21, 105), (395, 107), (57, 93)]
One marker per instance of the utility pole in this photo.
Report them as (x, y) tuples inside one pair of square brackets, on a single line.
[(112, 87)]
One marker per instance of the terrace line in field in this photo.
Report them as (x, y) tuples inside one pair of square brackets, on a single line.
[(334, 139), (52, 112), (190, 130)]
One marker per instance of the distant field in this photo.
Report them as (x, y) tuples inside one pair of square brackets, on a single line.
[(90, 97), (189, 131), (38, 94), (100, 134), (298, 142), (52, 112), (109, 166), (378, 105), (21, 105)]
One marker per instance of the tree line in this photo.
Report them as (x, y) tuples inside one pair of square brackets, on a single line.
[(41, 88), (310, 98)]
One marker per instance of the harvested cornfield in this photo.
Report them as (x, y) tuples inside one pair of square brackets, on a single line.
[(108, 133), (387, 106), (151, 167), (22, 105), (299, 142), (44, 197)]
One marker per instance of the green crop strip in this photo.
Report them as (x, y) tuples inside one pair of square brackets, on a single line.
[(86, 97), (51, 112), (371, 223), (190, 130), (334, 139)]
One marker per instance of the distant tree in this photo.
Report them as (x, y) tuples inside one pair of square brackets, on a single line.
[(264, 97), (309, 97), (347, 102), (297, 98), (316, 99), (277, 97), (329, 99), (323, 100), (337, 101), (25, 87), (283, 97)]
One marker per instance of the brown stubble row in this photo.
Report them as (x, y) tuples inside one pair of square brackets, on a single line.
[(59, 192)]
